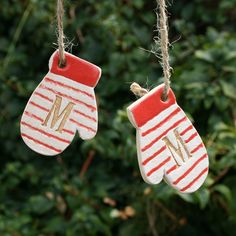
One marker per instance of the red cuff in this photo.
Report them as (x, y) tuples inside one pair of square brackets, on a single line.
[(76, 69), (150, 106)]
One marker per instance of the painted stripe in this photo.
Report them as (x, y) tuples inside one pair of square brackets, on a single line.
[(68, 97), (197, 148), (191, 137), (175, 112), (190, 169), (186, 130), (152, 135), (33, 116), (41, 143), (45, 133), (194, 180), (159, 117), (68, 131), (171, 169), (43, 96), (164, 133), (154, 155), (48, 80), (83, 126), (86, 116), (153, 121), (38, 106), (158, 166)]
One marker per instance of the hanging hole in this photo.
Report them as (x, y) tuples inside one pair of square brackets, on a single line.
[(164, 97), (62, 63)]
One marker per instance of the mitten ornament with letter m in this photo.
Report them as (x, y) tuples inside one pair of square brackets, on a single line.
[(168, 145), (63, 103)]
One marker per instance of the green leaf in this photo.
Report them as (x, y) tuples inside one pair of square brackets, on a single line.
[(224, 190), (40, 205), (204, 55), (228, 89), (204, 197)]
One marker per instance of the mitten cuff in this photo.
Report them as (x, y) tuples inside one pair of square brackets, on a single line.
[(149, 106), (76, 69)]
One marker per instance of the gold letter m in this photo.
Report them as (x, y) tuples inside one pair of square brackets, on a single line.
[(63, 116), (179, 152)]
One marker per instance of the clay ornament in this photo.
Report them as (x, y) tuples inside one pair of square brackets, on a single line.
[(168, 145), (63, 103)]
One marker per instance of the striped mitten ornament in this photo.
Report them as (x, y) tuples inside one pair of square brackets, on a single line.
[(63, 103), (168, 145)]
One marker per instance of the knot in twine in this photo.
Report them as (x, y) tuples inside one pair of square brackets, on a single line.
[(137, 90)]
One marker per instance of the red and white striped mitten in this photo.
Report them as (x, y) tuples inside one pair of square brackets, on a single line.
[(168, 145), (62, 103)]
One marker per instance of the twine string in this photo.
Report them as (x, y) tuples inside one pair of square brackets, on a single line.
[(60, 40), (163, 42)]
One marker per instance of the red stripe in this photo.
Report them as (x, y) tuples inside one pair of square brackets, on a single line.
[(186, 130), (158, 166), (45, 133), (164, 133), (41, 143), (175, 112), (197, 148), (33, 116), (68, 97), (83, 126), (190, 169), (195, 180), (191, 137), (171, 169), (86, 116), (38, 106), (43, 96), (154, 155), (69, 87), (68, 131)]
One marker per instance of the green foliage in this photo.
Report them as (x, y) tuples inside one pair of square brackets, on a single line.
[(59, 196)]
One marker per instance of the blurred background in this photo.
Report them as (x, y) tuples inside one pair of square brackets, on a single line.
[(94, 187)]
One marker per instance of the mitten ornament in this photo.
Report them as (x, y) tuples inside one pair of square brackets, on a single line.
[(63, 103), (168, 145)]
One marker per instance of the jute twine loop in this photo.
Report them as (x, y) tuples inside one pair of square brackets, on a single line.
[(60, 40), (163, 41)]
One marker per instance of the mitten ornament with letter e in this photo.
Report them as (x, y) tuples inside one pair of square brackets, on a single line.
[(63, 103), (168, 145)]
